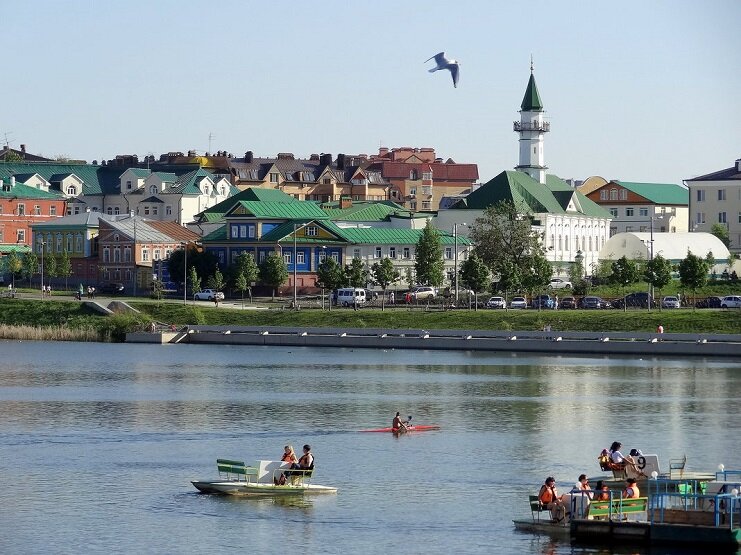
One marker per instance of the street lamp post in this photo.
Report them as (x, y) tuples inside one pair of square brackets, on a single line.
[(455, 257), (185, 273), (42, 268)]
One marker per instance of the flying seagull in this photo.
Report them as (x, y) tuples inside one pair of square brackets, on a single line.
[(443, 63)]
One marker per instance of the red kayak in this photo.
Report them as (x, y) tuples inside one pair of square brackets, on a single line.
[(409, 429)]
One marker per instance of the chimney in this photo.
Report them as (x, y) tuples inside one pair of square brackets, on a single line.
[(12, 181), (285, 156), (314, 157), (248, 156), (340, 161), (738, 165), (325, 159), (345, 202), (383, 151), (23, 149)]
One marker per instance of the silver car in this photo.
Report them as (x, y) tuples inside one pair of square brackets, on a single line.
[(670, 302), (496, 302), (518, 302)]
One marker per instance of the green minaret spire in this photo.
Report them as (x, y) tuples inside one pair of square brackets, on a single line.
[(531, 101)]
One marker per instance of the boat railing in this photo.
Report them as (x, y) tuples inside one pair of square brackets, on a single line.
[(689, 496), (728, 475)]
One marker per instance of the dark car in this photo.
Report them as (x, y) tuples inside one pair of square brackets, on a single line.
[(635, 300), (709, 302), (112, 289), (567, 302), (592, 302)]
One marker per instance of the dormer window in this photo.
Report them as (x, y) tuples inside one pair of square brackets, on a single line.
[(71, 190), (115, 237), (153, 190), (311, 231), (273, 178), (413, 175), (206, 189)]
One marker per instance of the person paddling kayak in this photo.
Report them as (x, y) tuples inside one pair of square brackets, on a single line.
[(399, 425)]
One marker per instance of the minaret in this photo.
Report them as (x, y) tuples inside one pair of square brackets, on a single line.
[(532, 128)]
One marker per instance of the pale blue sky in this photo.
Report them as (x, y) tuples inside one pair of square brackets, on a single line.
[(634, 90)]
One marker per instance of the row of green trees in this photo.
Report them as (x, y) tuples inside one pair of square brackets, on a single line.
[(28, 265)]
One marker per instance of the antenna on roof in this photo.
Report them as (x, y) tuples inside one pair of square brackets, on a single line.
[(210, 137), (7, 142)]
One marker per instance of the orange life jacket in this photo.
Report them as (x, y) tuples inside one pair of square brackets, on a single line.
[(631, 492), (546, 495)]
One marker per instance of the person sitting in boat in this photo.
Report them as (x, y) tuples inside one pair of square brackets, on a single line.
[(399, 425), (602, 492), (618, 461), (582, 485), (549, 499), (631, 490), (306, 462), (289, 456)]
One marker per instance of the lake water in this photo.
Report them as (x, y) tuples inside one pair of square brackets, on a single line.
[(100, 442)]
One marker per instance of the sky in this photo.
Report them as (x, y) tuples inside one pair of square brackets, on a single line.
[(634, 90)]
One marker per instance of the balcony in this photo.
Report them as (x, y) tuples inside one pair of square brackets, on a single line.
[(543, 126)]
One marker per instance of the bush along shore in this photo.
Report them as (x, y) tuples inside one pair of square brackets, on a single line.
[(35, 319)]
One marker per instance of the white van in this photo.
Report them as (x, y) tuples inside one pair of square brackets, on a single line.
[(349, 296)]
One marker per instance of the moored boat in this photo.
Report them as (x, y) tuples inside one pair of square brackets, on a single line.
[(262, 479)]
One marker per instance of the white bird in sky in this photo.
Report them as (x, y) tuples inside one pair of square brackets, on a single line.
[(443, 63)]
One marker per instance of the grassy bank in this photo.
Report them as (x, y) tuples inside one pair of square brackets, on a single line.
[(36, 319)]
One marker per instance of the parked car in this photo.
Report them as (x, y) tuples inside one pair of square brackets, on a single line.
[(496, 302), (732, 301), (558, 283), (592, 302), (670, 302), (518, 302), (632, 300), (544, 301), (423, 292), (350, 296), (567, 302), (208, 295), (112, 289), (709, 302)]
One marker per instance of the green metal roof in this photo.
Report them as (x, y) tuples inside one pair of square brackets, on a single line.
[(217, 235), (6, 249), (658, 193), (22, 191), (365, 211), (529, 195), (531, 101), (217, 212), (279, 210)]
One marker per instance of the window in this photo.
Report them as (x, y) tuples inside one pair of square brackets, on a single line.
[(643, 212), (106, 254), (613, 212), (287, 257), (110, 210), (701, 195), (69, 243), (336, 257), (623, 194), (59, 242), (72, 190), (273, 178), (603, 194), (300, 257), (155, 211), (721, 217), (168, 210), (117, 254), (413, 175), (739, 217), (406, 253), (21, 236), (413, 205), (412, 190), (127, 254), (77, 209), (234, 231), (327, 181), (377, 253), (153, 190), (128, 185), (629, 212), (116, 211), (427, 176), (311, 231), (448, 253), (146, 210), (700, 218), (392, 252), (426, 205), (628, 228), (36, 210), (323, 255), (356, 253), (613, 194), (156, 254), (52, 210), (721, 194), (78, 243), (116, 237), (21, 209)]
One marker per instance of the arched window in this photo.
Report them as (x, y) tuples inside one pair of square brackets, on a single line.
[(413, 175), (71, 190), (613, 194), (153, 190)]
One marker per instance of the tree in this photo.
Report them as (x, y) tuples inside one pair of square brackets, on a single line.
[(216, 280), (330, 276), (384, 274), (624, 272), (14, 264), (30, 265), (273, 271), (429, 265), (50, 266), (357, 273), (64, 268), (693, 273), (157, 289), (245, 264), (194, 281), (204, 262), (505, 241), (474, 275), (241, 285), (658, 273), (721, 232)]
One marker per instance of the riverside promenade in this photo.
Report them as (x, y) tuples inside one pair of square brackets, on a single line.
[(543, 342)]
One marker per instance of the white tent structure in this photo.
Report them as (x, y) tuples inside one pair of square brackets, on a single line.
[(672, 246)]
